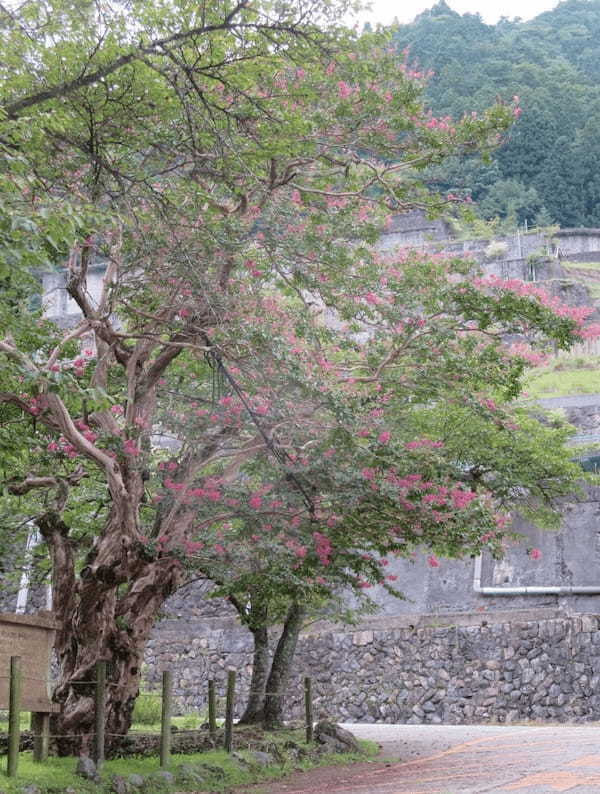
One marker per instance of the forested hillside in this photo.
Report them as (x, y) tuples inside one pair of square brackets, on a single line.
[(549, 169)]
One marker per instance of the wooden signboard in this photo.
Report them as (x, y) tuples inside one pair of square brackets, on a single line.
[(31, 637)]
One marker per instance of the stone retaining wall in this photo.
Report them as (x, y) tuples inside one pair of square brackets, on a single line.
[(542, 665)]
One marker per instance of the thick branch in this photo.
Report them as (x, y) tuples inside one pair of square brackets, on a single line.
[(157, 47)]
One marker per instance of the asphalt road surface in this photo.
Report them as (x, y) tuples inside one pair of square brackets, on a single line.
[(456, 759)]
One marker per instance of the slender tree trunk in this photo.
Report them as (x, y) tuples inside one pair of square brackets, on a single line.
[(253, 713), (281, 667)]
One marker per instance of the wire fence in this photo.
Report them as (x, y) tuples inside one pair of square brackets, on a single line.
[(97, 732)]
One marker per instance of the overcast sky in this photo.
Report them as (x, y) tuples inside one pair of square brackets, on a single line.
[(384, 11)]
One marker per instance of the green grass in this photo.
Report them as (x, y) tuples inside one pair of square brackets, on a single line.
[(57, 774), (581, 265), (563, 377)]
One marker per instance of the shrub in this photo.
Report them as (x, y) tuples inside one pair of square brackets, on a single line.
[(496, 250), (147, 709)]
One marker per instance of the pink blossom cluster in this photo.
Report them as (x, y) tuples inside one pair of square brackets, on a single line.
[(35, 404), (297, 548), (130, 447), (86, 431), (529, 289), (64, 446), (421, 443), (322, 548), (527, 353)]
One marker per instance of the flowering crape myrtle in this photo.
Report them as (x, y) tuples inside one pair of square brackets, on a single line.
[(245, 398)]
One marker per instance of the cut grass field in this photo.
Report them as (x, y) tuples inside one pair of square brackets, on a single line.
[(58, 774), (564, 376)]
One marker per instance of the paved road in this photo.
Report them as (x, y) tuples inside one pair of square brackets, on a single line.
[(572, 401), (424, 759)]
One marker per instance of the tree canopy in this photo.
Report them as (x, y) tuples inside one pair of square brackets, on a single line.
[(256, 381)]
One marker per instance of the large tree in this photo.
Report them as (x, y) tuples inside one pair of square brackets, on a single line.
[(225, 167)]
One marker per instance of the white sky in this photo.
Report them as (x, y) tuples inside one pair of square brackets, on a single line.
[(384, 11)]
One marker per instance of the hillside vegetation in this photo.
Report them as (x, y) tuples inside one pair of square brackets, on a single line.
[(547, 171)]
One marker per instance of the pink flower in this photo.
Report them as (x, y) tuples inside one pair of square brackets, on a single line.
[(130, 447), (433, 561), (372, 298), (116, 410), (255, 501), (368, 474), (344, 90), (384, 437), (424, 442), (322, 547), (535, 554), (460, 498), (191, 546)]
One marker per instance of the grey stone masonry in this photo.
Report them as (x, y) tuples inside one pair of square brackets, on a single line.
[(533, 664)]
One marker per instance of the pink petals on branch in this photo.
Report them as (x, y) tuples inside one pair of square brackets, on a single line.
[(424, 443), (322, 548), (344, 90)]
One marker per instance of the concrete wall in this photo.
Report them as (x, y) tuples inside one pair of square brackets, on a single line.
[(58, 305), (577, 241)]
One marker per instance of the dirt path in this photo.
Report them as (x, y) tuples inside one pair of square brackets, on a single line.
[(424, 759)]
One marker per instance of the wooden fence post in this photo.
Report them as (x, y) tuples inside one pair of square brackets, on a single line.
[(100, 713), (40, 727), (212, 709), (14, 716), (229, 705), (308, 709), (165, 720)]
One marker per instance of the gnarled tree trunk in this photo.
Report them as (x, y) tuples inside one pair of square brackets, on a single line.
[(101, 620)]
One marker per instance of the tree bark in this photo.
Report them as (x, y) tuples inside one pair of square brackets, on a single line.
[(253, 713), (281, 667), (101, 619)]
